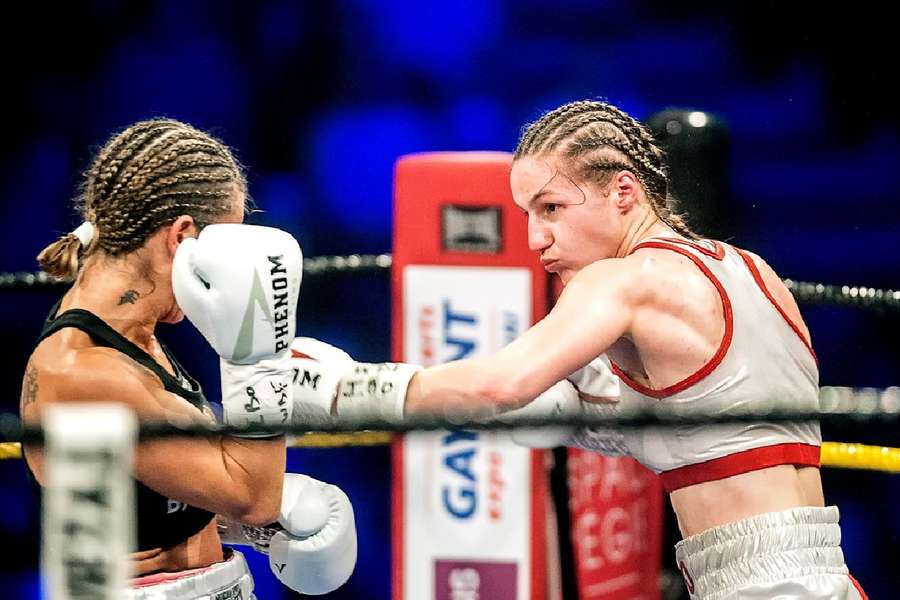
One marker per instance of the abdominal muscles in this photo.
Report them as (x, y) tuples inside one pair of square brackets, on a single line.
[(706, 505)]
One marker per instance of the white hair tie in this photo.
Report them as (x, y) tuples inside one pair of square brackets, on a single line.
[(85, 233)]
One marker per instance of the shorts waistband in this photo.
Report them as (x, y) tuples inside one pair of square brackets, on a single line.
[(763, 548), (227, 580)]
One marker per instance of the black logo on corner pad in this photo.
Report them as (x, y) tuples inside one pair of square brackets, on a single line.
[(471, 228)]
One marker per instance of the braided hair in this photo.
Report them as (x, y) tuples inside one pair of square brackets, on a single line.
[(603, 139), (143, 178)]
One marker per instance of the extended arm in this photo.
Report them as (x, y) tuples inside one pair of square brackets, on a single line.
[(595, 309)]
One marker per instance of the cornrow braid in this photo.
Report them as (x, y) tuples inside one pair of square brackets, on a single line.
[(160, 212), (603, 138), (535, 135), (110, 159), (143, 178), (137, 157)]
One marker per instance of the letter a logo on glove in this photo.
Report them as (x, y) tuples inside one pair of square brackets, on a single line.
[(244, 345)]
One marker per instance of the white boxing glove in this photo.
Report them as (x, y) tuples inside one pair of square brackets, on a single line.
[(593, 381), (560, 400), (328, 384), (596, 379), (317, 370), (316, 552), (312, 547), (563, 399), (599, 389), (239, 284), (605, 439)]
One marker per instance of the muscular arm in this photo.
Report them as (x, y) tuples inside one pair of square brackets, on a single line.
[(595, 309), (240, 478)]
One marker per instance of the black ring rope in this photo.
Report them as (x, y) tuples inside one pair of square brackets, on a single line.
[(805, 292), (840, 405)]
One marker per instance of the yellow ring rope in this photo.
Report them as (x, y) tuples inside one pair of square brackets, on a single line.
[(311, 440), (337, 440), (10, 450), (843, 455), (860, 456)]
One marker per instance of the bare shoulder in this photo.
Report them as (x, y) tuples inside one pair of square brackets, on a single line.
[(670, 280), (639, 277), (93, 374), (610, 272)]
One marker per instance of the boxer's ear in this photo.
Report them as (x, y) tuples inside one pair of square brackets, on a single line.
[(624, 190), (182, 228)]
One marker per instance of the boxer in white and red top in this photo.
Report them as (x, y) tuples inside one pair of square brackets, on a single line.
[(698, 324)]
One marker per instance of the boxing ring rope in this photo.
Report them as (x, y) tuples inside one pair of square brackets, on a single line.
[(312, 266), (92, 463), (843, 455), (10, 450), (834, 454), (806, 292), (839, 404)]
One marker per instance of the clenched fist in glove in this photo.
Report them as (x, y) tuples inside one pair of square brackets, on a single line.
[(592, 390), (239, 284), (312, 547), (561, 400)]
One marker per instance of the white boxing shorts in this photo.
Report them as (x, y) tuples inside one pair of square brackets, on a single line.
[(227, 580), (788, 555)]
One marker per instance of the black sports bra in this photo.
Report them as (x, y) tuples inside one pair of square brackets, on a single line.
[(161, 522)]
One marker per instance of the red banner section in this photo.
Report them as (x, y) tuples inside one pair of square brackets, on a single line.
[(429, 191), (617, 527), (468, 508)]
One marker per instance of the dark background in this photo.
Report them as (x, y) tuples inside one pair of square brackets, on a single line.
[(319, 99)]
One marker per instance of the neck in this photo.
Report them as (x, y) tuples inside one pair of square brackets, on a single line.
[(118, 291), (648, 225)]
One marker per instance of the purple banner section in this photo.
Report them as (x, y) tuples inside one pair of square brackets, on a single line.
[(474, 580)]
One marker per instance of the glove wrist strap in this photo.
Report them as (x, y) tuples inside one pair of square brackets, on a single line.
[(257, 394), (374, 391)]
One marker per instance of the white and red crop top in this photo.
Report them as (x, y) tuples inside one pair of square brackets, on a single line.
[(763, 363)]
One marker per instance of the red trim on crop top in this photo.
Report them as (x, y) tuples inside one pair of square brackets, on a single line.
[(718, 253), (792, 453), (757, 276)]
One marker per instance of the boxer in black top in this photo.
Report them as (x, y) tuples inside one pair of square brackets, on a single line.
[(162, 239)]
